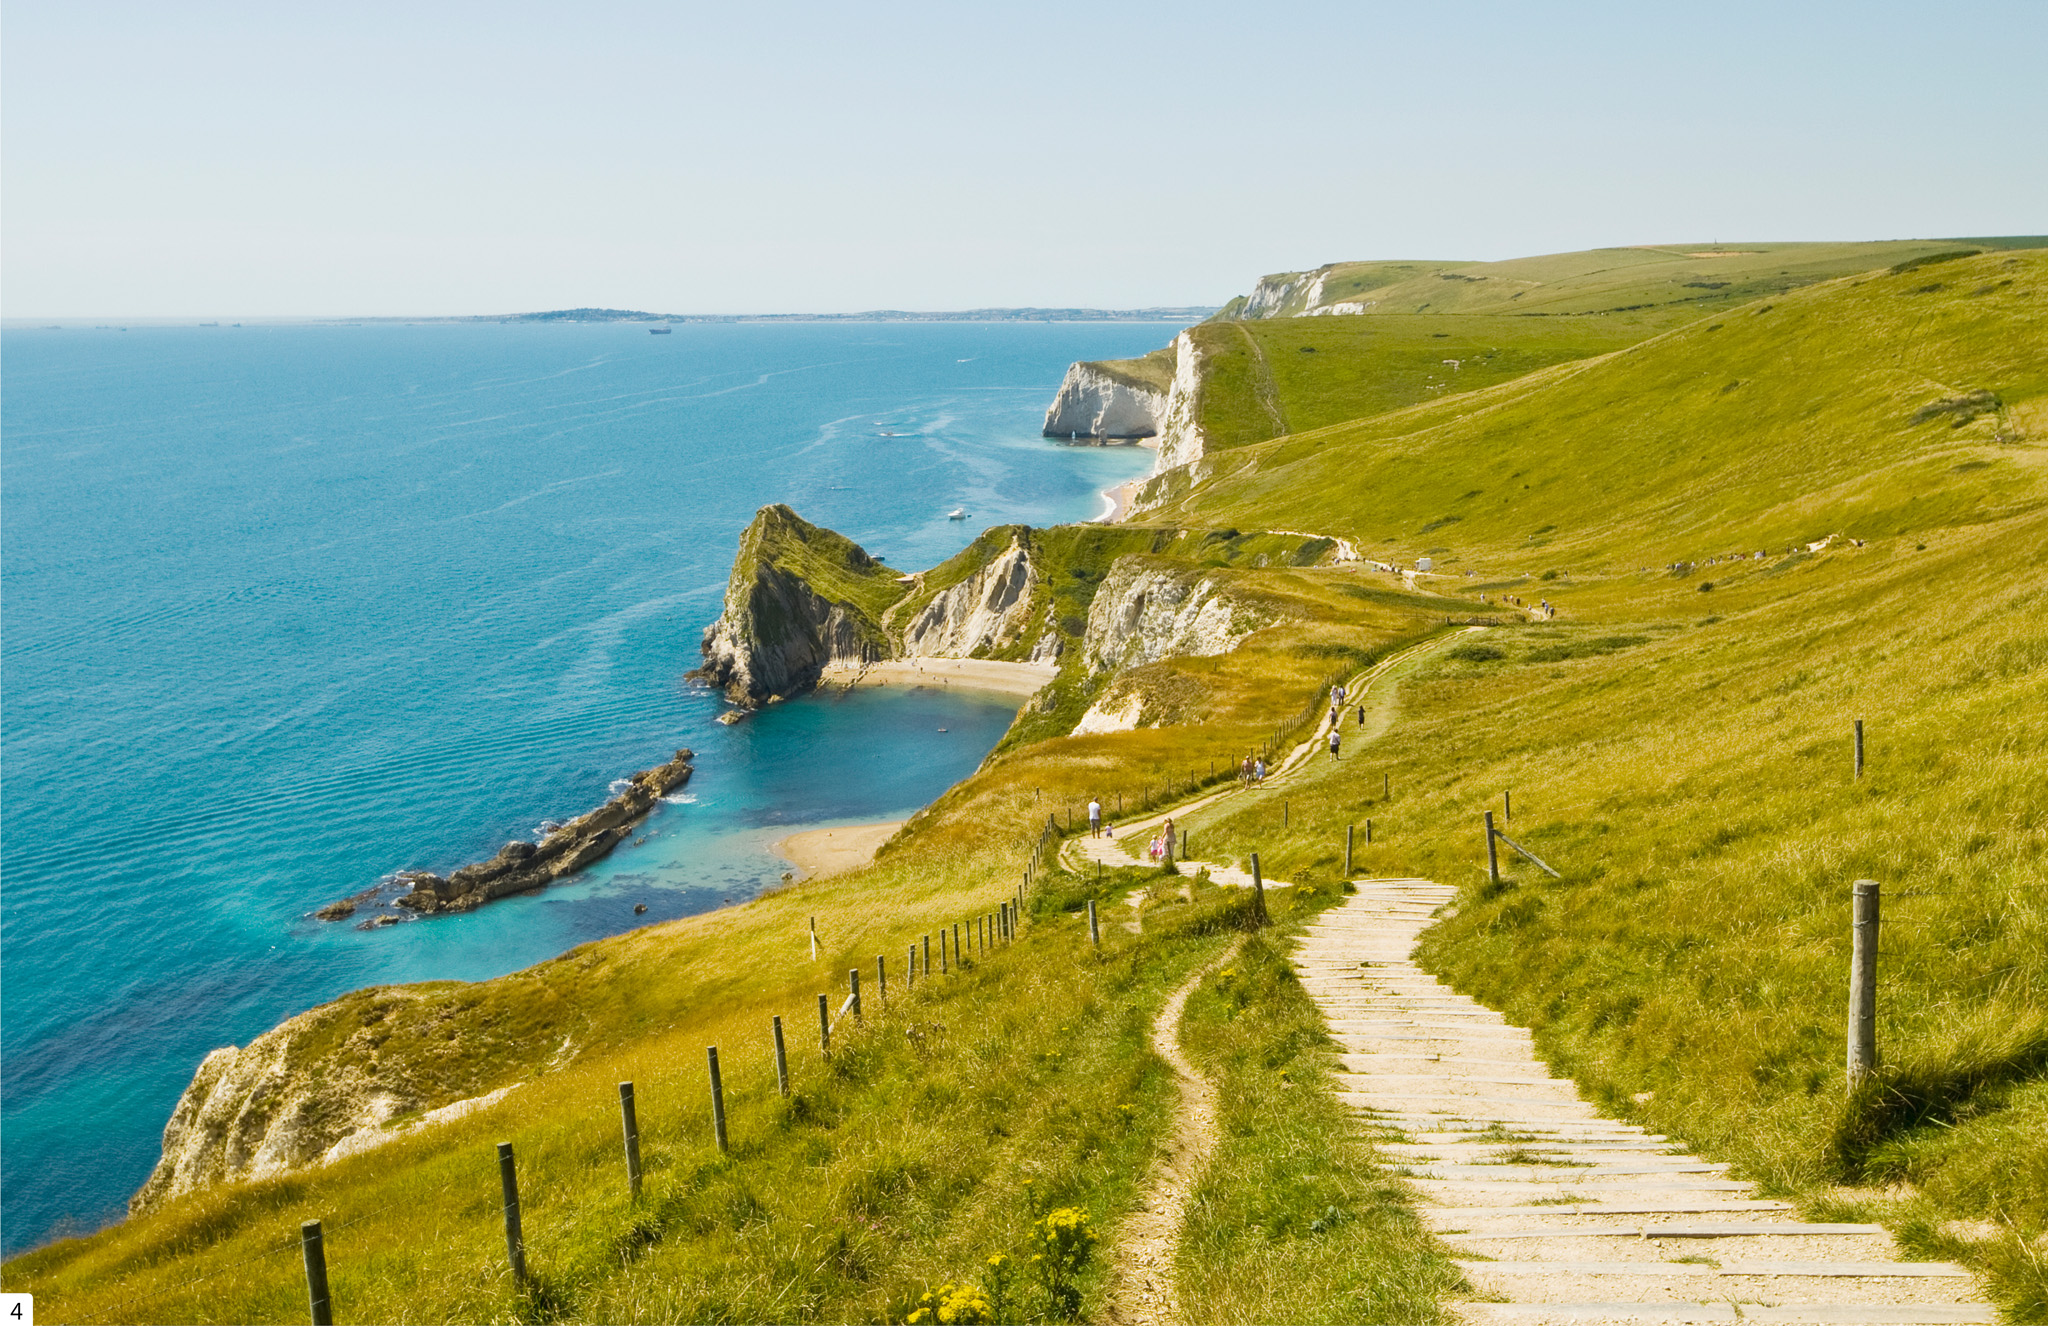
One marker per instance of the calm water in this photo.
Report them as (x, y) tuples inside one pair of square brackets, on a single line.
[(289, 608)]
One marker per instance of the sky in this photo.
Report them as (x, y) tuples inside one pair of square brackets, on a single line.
[(293, 160)]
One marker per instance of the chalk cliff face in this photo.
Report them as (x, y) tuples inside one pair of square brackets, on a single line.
[(1093, 404), (799, 597), (268, 1107), (987, 610), (1145, 612), (1180, 432)]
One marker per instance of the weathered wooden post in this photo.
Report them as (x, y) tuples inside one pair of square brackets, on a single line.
[(1507, 806), (515, 1242), (814, 939), (1368, 833), (717, 1097), (910, 970), (1863, 982), (824, 1026), (781, 1059), (1859, 748), (1386, 786), (1350, 831), (1094, 932), (1492, 851), (630, 1121), (314, 1249), (882, 980), (1283, 812), (853, 984), (944, 966), (1259, 887), (928, 952)]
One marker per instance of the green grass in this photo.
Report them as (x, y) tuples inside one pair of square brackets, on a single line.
[(1715, 439)]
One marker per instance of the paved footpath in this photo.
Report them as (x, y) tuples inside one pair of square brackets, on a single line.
[(1560, 1214)]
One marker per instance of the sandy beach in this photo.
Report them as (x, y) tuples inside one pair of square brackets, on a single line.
[(967, 673), (817, 853), (1119, 498)]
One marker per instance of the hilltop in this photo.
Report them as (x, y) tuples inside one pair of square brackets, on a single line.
[(1758, 516)]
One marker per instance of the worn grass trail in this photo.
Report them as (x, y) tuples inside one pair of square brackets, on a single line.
[(1141, 1287), (1558, 1214)]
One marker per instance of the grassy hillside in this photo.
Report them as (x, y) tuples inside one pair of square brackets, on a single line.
[(1846, 407), (1496, 320), (1677, 745)]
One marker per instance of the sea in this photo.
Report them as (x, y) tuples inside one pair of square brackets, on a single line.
[(287, 608)]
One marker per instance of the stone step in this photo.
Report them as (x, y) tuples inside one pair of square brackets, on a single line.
[(1821, 1314), (1556, 1173), (1456, 1215), (1822, 1270), (1746, 1229)]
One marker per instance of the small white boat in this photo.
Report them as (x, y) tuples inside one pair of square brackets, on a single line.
[(957, 513)]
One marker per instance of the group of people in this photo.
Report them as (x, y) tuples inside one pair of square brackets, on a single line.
[(1162, 845)]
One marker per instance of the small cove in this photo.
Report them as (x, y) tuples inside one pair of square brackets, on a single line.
[(289, 608)]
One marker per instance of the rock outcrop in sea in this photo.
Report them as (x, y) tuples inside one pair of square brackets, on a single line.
[(522, 867), (800, 597)]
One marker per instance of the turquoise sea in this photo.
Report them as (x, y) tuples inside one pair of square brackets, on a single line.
[(287, 608)]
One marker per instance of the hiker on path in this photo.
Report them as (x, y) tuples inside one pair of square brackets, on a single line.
[(1258, 771), (1244, 772), (1094, 818), (1167, 833), (1337, 697), (1335, 738)]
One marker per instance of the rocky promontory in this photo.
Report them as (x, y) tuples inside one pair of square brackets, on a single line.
[(521, 867), (800, 597)]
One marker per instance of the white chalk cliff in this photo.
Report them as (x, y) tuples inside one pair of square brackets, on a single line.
[(1180, 426), (988, 609), (1143, 613), (1093, 404)]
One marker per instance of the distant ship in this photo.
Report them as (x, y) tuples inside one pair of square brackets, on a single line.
[(658, 331), (957, 513)]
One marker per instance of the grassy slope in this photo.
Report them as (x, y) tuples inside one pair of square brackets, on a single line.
[(1152, 372), (1682, 756), (1498, 320)]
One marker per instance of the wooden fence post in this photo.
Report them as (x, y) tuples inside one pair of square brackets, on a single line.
[(910, 970), (824, 1026), (1862, 982), (1368, 833), (1094, 932), (717, 1098), (928, 953), (1859, 748), (314, 1250), (1507, 806), (781, 1059), (1492, 851), (1350, 831), (1259, 887), (515, 1242), (814, 939), (882, 981), (1283, 812), (853, 984), (630, 1121)]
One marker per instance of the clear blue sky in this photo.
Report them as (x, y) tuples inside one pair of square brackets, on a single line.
[(424, 158)]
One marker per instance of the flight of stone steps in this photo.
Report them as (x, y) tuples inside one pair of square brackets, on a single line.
[(1555, 1212)]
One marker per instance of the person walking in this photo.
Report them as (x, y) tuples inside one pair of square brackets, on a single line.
[(1094, 818), (1335, 739), (1337, 699), (1258, 771), (1166, 832)]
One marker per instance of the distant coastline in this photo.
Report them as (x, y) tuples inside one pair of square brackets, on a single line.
[(1190, 313)]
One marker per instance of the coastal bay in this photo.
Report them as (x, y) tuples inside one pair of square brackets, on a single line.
[(333, 602)]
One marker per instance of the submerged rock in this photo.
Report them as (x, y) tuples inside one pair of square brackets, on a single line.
[(522, 867)]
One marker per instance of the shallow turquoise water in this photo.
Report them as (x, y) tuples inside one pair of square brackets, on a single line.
[(289, 608)]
